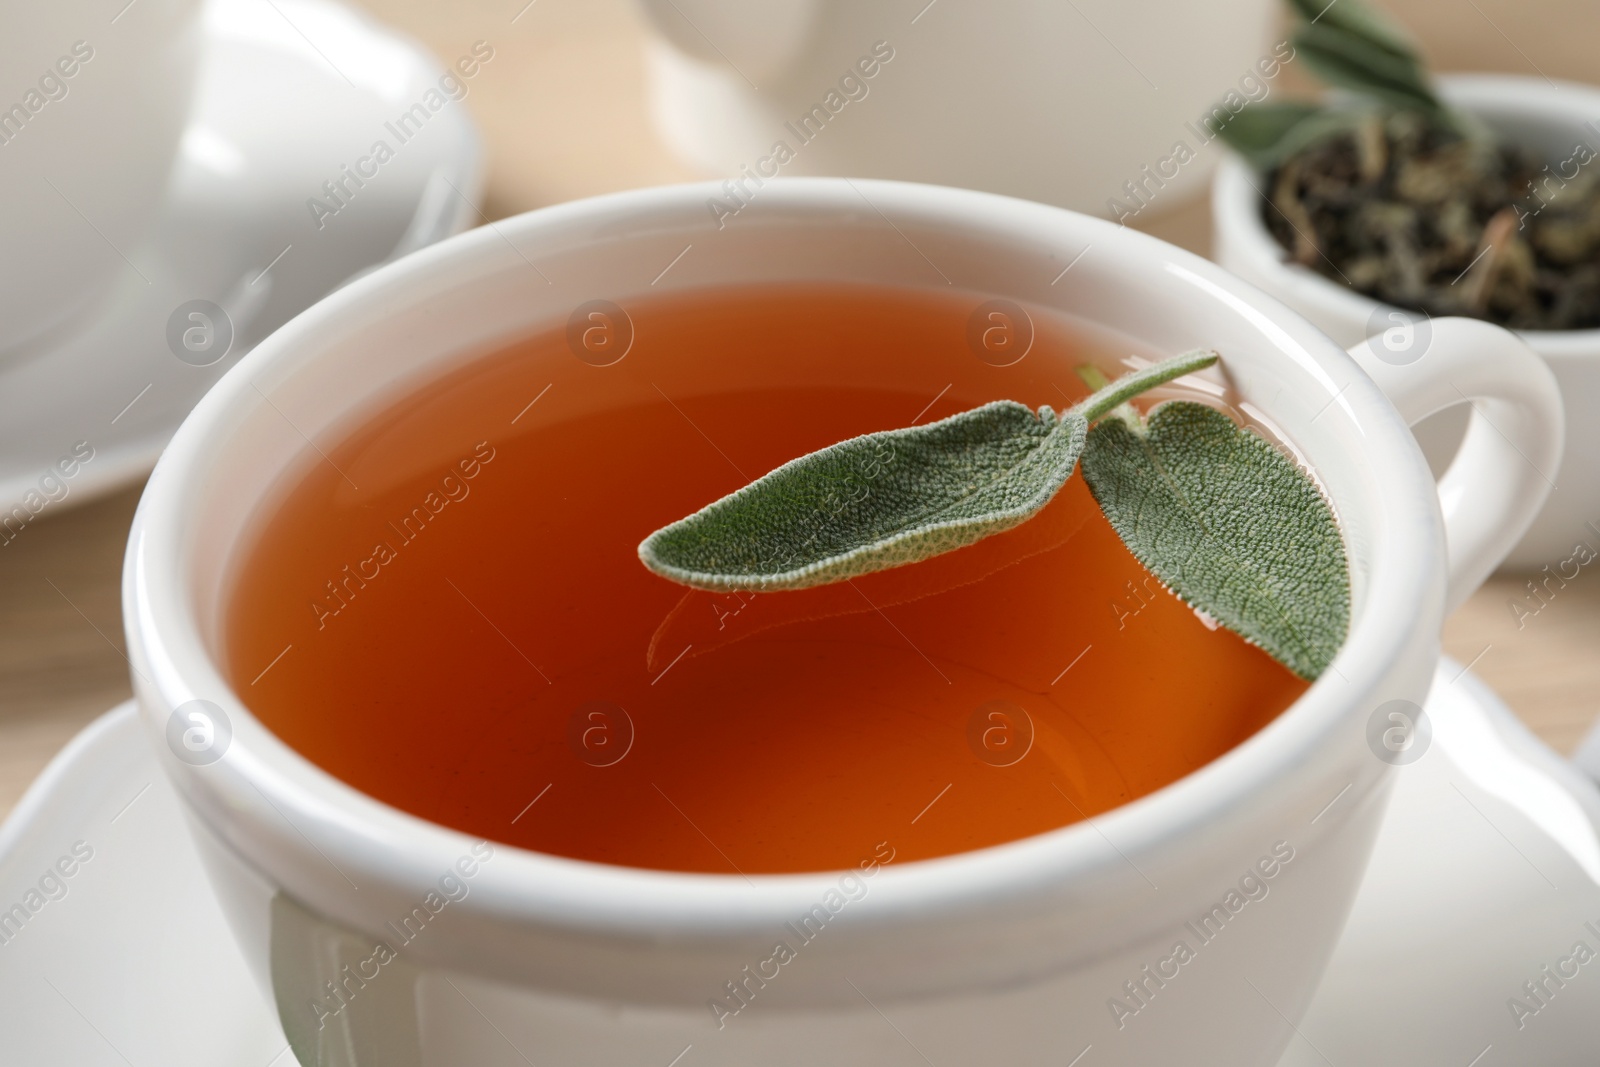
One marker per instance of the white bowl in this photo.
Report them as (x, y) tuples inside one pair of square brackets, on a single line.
[(1547, 118)]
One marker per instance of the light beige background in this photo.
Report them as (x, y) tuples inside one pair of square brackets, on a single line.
[(562, 110)]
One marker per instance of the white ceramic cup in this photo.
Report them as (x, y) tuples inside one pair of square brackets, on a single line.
[(92, 102), (1550, 120), (1060, 103), (1012, 954)]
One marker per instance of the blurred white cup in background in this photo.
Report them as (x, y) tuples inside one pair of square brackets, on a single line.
[(1064, 103), (93, 99)]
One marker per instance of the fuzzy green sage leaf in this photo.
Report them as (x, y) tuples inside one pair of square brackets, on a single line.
[(1230, 524), (891, 498), (1358, 20), (1358, 63), (1353, 46), (1268, 134)]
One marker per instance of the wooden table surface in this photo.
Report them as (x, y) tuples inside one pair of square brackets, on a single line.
[(563, 112)]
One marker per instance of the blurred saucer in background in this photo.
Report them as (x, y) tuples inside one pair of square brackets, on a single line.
[(266, 212)]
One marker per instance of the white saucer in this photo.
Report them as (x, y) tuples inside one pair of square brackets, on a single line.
[(290, 92), (1487, 869), (135, 963)]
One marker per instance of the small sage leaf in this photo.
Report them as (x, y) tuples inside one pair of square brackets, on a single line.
[(1260, 127), (1267, 134), (1358, 19), (890, 498), (1349, 61), (1353, 46), (1230, 524), (876, 501)]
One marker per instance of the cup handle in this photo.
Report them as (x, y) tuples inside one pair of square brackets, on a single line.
[(1507, 463)]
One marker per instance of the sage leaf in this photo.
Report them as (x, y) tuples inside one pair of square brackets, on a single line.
[(891, 498), (1352, 46), (1259, 127), (880, 500), (1230, 524), (1354, 62), (1268, 134), (1357, 19)]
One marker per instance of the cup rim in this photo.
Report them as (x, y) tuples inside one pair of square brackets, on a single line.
[(384, 845), (1235, 199)]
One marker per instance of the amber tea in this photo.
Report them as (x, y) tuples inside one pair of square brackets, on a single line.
[(445, 608)]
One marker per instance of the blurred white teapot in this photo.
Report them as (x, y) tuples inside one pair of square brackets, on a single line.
[(1062, 102)]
